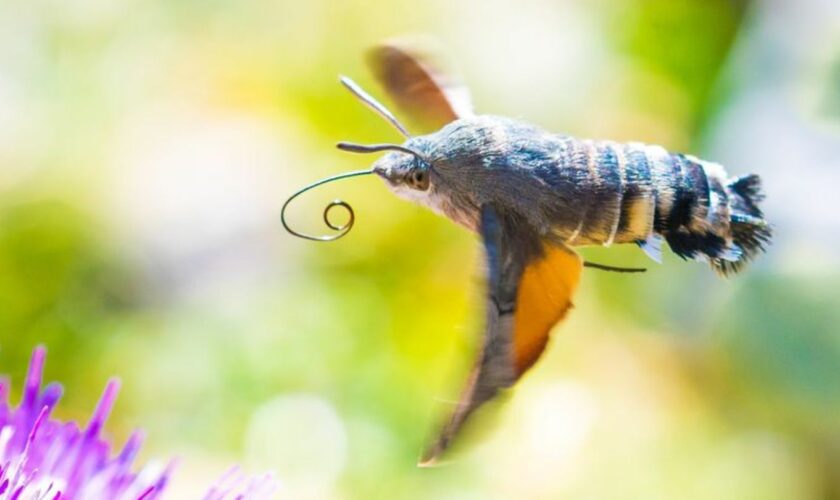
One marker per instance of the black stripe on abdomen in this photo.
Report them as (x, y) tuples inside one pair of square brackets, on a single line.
[(637, 204), (685, 226), (684, 199), (700, 187)]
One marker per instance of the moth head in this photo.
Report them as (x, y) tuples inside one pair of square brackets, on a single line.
[(402, 168), (400, 171), (405, 167)]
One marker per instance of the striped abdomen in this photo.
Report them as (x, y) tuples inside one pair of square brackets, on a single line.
[(641, 193)]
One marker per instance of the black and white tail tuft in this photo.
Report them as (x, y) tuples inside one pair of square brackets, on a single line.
[(749, 231)]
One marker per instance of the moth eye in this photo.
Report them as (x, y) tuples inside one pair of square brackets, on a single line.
[(419, 179)]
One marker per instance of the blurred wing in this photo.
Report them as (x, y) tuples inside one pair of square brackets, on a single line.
[(414, 75), (528, 293)]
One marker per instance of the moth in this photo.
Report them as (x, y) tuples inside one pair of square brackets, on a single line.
[(533, 196)]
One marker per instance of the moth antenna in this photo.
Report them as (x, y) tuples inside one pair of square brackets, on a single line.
[(342, 229), (373, 104), (603, 267), (375, 148)]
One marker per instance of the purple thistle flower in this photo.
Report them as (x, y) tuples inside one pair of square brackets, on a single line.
[(45, 459), (235, 485)]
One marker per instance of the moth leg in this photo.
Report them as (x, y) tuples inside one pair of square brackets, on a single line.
[(614, 269)]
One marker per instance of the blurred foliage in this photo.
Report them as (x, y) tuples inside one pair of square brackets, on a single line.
[(58, 285), (686, 41), (146, 147)]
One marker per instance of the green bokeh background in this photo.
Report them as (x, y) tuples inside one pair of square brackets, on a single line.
[(145, 150)]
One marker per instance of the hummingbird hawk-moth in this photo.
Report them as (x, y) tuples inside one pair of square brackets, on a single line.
[(534, 195)]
